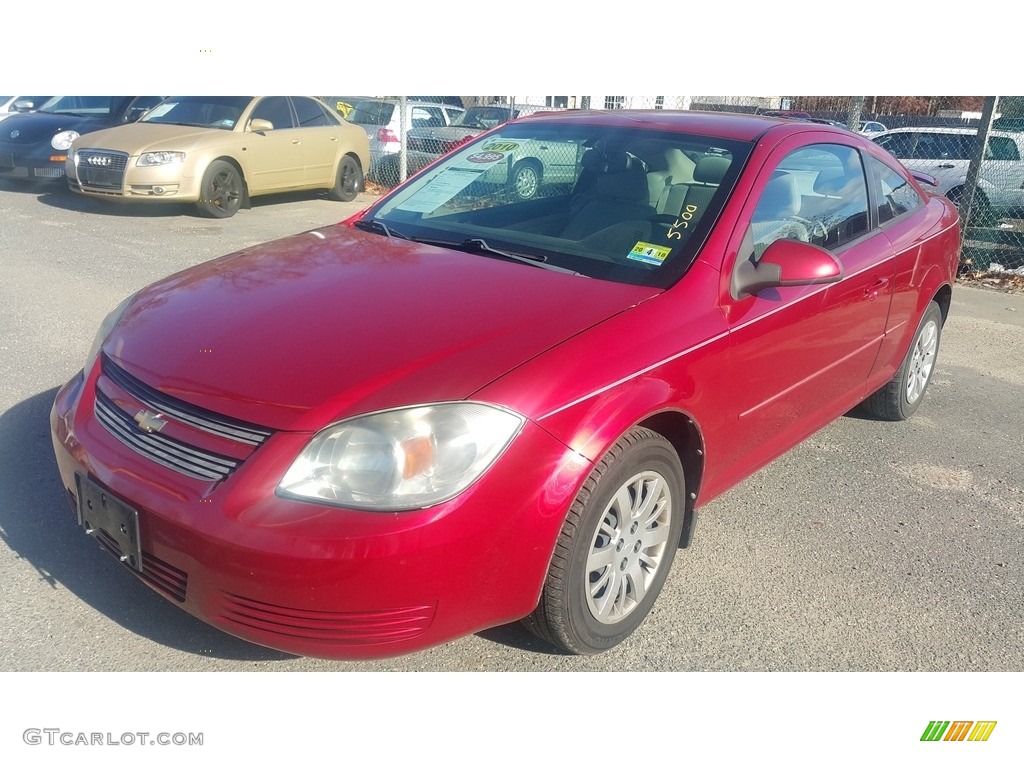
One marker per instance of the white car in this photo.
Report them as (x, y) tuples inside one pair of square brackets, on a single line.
[(870, 128), (7, 104), (945, 153)]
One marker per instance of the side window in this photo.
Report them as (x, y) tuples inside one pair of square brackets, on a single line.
[(309, 112), (424, 117), (817, 194), (898, 196), (899, 145), (453, 114), (276, 110), (1001, 148)]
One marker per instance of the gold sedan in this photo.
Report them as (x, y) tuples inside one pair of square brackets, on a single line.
[(219, 151)]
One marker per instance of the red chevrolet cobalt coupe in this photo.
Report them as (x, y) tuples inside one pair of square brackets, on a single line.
[(461, 408)]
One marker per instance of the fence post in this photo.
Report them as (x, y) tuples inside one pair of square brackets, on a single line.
[(974, 169), (403, 158), (853, 118)]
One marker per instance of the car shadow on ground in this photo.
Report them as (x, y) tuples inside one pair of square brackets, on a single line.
[(520, 638), (39, 527), (57, 195)]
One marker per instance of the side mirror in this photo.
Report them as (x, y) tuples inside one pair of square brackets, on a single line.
[(24, 105), (259, 125), (785, 263)]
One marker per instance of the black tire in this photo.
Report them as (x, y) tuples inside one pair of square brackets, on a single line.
[(898, 399), (349, 181), (221, 191), (525, 179), (587, 605)]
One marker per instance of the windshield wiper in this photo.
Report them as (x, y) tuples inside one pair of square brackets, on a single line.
[(374, 225), (480, 245)]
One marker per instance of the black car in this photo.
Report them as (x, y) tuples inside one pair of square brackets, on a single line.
[(34, 145)]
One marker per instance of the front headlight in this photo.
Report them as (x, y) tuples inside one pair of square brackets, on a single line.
[(62, 140), (407, 458), (160, 158), (109, 323)]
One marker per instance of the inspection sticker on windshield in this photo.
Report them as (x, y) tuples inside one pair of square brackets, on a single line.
[(649, 253)]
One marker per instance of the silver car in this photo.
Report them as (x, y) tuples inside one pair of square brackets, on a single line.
[(945, 153), (382, 120)]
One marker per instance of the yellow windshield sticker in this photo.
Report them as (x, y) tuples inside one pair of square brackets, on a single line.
[(649, 253)]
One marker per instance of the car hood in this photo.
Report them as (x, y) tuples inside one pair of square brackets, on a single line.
[(137, 138), (34, 127), (302, 331)]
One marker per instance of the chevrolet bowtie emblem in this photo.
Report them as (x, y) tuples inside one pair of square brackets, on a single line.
[(149, 421)]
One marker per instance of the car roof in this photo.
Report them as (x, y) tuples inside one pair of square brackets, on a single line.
[(726, 125)]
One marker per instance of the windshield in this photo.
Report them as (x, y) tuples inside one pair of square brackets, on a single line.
[(482, 117), (371, 113), (82, 105), (626, 204), (201, 111)]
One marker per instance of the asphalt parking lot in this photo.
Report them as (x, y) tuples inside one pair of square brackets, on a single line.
[(872, 546)]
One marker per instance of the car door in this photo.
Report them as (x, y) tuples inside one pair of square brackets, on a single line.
[(1004, 170), (805, 353), (319, 136), (275, 155)]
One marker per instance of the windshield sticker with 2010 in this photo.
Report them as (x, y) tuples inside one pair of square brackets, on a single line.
[(649, 253)]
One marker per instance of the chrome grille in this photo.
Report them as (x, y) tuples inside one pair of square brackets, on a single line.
[(100, 169), (201, 419), (95, 158), (167, 451)]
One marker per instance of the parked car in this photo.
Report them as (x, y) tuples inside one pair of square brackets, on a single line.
[(945, 153), (425, 145), (219, 151), (526, 168), (457, 408), (343, 105), (12, 105), (34, 145), (383, 122), (871, 127)]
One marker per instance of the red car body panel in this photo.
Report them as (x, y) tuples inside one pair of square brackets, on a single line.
[(297, 334)]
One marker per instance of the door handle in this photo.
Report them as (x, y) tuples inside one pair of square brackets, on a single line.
[(945, 165), (296, 141), (871, 293)]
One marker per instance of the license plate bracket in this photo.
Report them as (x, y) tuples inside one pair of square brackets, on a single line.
[(99, 511)]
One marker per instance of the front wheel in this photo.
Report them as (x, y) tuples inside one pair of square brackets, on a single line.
[(349, 181), (526, 180), (221, 191), (898, 399), (615, 548)]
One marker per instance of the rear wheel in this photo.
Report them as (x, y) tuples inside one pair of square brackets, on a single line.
[(526, 179), (349, 181), (898, 399), (615, 548), (220, 191)]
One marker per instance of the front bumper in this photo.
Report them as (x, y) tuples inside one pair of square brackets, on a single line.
[(123, 179), (19, 161), (314, 580)]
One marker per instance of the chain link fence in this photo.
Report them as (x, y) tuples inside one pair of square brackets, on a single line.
[(972, 146)]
